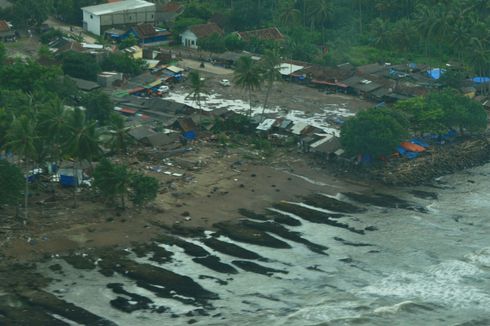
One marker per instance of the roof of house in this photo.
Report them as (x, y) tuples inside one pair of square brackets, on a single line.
[(108, 8), (85, 85), (4, 26), (160, 139), (141, 132), (145, 30), (171, 7), (205, 30), (269, 34), (328, 144)]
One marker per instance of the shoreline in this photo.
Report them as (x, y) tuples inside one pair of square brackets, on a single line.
[(214, 194)]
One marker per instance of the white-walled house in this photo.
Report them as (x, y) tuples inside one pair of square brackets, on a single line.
[(96, 19), (191, 36)]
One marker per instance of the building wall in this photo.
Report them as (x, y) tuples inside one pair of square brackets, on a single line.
[(97, 24), (91, 23), (189, 39)]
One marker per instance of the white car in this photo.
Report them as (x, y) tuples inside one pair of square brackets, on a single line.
[(163, 89), (225, 82)]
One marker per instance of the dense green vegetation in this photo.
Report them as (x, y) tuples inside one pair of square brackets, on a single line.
[(375, 131), (41, 121), (358, 31), (378, 131)]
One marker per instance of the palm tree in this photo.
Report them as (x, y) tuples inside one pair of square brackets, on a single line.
[(198, 89), (247, 76), (119, 135), (53, 122), (21, 138), (83, 142), (270, 66), (288, 14), (319, 12)]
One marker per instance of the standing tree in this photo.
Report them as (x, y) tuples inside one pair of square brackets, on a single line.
[(112, 180), (11, 183), (198, 91), (143, 189), (21, 138), (120, 138), (83, 142), (270, 66), (375, 131), (247, 76)]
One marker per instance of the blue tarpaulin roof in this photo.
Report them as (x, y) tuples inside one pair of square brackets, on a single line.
[(480, 80), (436, 73)]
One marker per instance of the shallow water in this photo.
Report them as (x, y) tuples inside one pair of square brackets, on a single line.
[(409, 268)]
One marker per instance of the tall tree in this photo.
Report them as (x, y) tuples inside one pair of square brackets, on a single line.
[(11, 184), (270, 67), (198, 89), (119, 137), (21, 138), (247, 76), (83, 142)]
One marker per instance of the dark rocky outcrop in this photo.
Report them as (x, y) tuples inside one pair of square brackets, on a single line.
[(315, 216), (230, 249), (332, 204), (242, 233), (250, 266)]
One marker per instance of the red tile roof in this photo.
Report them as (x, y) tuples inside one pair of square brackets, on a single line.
[(145, 30), (172, 7), (4, 26), (205, 30), (271, 33)]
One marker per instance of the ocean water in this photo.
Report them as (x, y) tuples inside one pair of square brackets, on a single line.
[(411, 268)]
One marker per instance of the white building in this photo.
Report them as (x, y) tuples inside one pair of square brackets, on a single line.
[(191, 36), (96, 19)]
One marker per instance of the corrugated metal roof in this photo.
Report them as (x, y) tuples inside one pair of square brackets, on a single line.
[(266, 124), (108, 8), (289, 68), (298, 127)]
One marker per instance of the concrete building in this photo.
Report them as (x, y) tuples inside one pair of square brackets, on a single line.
[(97, 19), (191, 36)]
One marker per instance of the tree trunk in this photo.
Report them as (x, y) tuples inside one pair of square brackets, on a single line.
[(266, 100), (75, 189), (250, 103), (26, 194)]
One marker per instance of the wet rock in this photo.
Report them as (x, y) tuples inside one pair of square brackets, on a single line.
[(80, 261), (230, 249), (159, 254), (286, 220), (283, 232), (250, 266), (424, 194), (135, 301), (217, 280), (244, 234), (385, 200), (252, 215), (214, 263), (27, 315), (162, 282), (190, 249), (314, 216), (54, 305), (354, 244), (55, 268), (332, 204)]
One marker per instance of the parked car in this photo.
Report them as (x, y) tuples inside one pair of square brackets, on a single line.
[(225, 82), (163, 89)]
